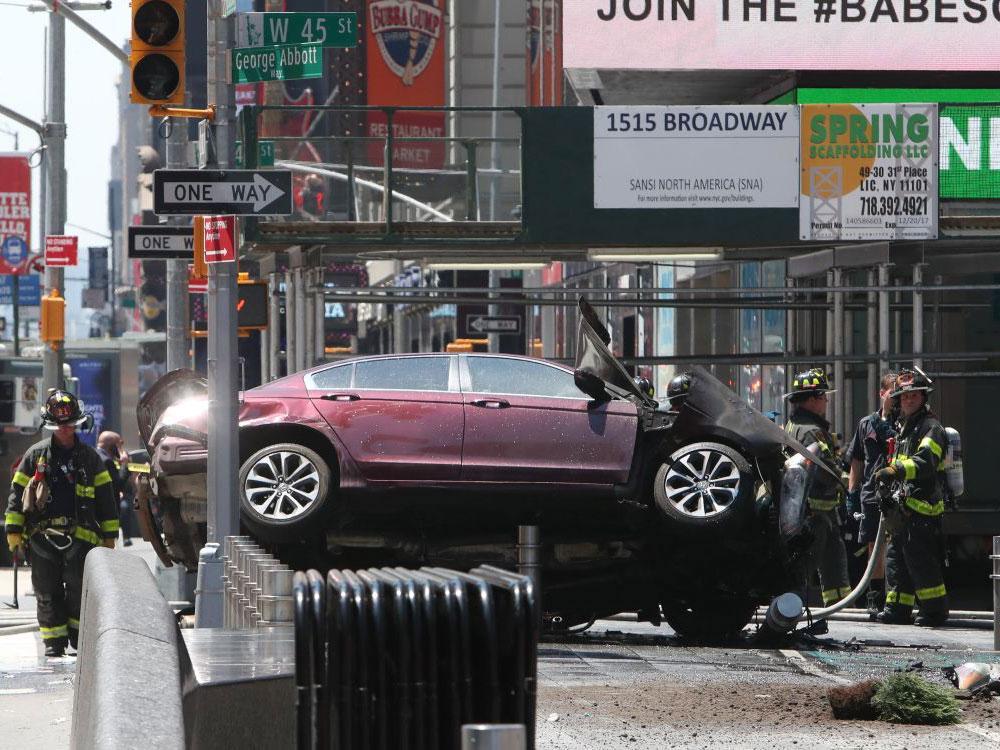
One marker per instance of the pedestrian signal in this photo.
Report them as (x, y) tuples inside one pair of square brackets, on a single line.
[(157, 57)]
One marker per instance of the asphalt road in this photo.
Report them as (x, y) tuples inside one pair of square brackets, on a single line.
[(623, 684)]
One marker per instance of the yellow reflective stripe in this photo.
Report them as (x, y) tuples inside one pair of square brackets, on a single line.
[(817, 504), (844, 591), (59, 631), (830, 596), (934, 592), (112, 525), (12, 518), (74, 624), (925, 509), (85, 490), (928, 443), (103, 478), (21, 479), (909, 466), (895, 597), (87, 535)]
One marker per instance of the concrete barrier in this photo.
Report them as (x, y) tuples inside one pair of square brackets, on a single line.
[(128, 691)]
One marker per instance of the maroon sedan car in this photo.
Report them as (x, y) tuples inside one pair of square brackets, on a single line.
[(436, 458)]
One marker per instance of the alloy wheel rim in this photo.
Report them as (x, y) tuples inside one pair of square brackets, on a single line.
[(281, 485), (702, 483)]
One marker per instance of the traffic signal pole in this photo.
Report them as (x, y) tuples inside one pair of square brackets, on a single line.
[(177, 272), (55, 183), (223, 381)]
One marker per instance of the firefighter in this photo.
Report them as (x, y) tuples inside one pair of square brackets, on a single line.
[(62, 501), (867, 454), (111, 449), (677, 391), (912, 564), (807, 424)]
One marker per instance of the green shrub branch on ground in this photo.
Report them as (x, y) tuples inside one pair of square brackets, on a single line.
[(906, 698)]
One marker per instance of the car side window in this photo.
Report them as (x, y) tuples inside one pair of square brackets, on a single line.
[(520, 377), (335, 377), (403, 374)]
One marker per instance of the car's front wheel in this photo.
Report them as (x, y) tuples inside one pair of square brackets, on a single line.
[(705, 486), (284, 492)]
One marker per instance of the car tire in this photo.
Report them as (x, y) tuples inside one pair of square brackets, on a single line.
[(705, 487), (284, 492), (709, 619)]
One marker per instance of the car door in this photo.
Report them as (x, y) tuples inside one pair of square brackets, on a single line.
[(526, 421), (400, 418)]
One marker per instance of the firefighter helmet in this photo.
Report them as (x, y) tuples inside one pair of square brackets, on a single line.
[(910, 380), (812, 382), (62, 408), (677, 390)]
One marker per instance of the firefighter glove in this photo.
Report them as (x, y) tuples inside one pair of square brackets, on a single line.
[(109, 543), (886, 475), (14, 540), (853, 498)]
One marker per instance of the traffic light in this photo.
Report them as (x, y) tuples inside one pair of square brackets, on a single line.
[(53, 317), (157, 57)]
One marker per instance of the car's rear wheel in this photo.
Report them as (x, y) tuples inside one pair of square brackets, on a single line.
[(284, 492), (705, 486), (709, 619)]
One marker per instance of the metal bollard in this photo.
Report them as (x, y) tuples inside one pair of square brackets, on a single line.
[(208, 604), (493, 737), (995, 576), (529, 558)]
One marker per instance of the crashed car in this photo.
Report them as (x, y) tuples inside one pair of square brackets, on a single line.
[(437, 458)]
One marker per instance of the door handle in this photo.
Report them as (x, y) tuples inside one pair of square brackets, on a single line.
[(491, 403), (340, 397)]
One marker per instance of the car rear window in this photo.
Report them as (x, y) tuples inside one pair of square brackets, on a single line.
[(404, 373), (520, 377), (335, 377)]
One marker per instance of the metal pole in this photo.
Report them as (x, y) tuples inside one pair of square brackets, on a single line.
[(495, 116), (55, 139), (274, 321), (918, 315), (177, 276), (493, 737), (838, 351), (291, 303), (301, 300), (529, 558), (883, 318), (897, 320), (60, 9), (872, 322), (16, 299), (471, 186), (265, 356), (319, 326), (309, 324), (223, 380), (995, 557), (791, 345)]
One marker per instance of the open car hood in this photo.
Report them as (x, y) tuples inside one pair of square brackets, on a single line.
[(710, 404), (593, 355), (172, 388)]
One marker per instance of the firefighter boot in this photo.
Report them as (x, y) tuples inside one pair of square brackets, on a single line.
[(55, 647), (876, 602), (893, 616)]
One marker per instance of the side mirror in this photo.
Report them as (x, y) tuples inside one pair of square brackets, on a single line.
[(590, 384)]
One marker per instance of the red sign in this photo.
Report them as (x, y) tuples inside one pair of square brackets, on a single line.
[(15, 213), (195, 285), (545, 48), (405, 48), (60, 250), (220, 239)]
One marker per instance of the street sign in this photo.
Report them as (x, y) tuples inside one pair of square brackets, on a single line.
[(286, 63), (220, 239), (265, 154), (29, 290), (493, 323), (242, 192), (160, 243), (271, 29), (60, 250)]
